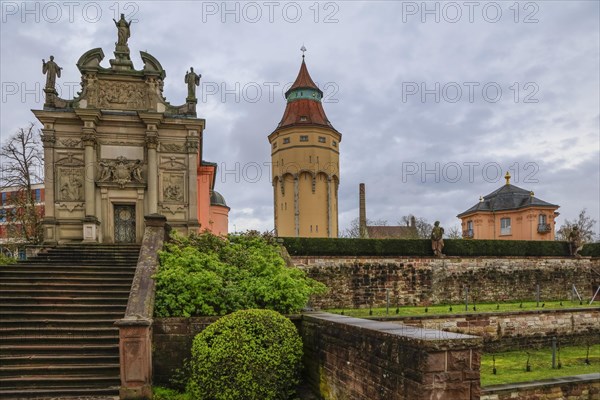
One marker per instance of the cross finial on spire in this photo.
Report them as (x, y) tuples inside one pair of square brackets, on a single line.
[(303, 50)]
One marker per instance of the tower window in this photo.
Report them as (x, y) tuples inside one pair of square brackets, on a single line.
[(334, 143), (321, 139), (286, 140), (304, 138)]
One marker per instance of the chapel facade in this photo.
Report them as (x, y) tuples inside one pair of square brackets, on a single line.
[(120, 151)]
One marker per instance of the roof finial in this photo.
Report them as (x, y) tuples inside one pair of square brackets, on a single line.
[(507, 177), (303, 50)]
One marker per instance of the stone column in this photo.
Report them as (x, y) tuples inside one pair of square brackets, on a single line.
[(90, 221), (193, 146), (49, 222), (152, 144), (89, 141)]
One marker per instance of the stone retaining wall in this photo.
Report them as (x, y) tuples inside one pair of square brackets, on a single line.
[(360, 282), (581, 387), (351, 358), (502, 331)]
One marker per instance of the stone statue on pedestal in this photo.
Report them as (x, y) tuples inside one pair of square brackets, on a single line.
[(437, 241), (192, 79), (52, 71), (123, 29)]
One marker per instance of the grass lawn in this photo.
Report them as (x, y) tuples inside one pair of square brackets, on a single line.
[(510, 366), (460, 308)]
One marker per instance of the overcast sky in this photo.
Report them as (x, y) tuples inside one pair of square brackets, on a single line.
[(435, 100)]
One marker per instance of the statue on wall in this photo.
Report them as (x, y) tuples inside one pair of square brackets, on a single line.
[(437, 239), (123, 30), (575, 242), (52, 71), (192, 79)]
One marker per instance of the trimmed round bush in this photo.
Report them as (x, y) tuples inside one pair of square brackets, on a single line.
[(250, 354)]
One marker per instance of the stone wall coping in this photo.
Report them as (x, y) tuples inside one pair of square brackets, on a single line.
[(475, 315), (446, 258), (141, 297), (430, 338), (492, 389)]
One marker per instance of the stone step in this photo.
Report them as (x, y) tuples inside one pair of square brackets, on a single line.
[(62, 393), (54, 381), (65, 330), (50, 314), (72, 350), (6, 323), (54, 369), (89, 292), (58, 359), (49, 285), (46, 274), (34, 338), (65, 281), (82, 300)]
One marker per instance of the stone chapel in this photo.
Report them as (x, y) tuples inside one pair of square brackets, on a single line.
[(120, 151)]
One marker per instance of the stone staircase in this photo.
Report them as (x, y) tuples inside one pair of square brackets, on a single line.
[(57, 310)]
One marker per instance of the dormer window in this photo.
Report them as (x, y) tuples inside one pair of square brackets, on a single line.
[(303, 119)]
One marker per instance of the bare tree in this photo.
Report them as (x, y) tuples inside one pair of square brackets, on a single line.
[(22, 166), (454, 232), (353, 231), (584, 222), (423, 226)]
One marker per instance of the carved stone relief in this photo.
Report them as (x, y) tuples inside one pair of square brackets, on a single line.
[(70, 184), (172, 148), (70, 143), (173, 187), (119, 95), (120, 171)]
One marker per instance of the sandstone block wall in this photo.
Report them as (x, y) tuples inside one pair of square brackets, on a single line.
[(360, 282), (350, 358), (504, 331)]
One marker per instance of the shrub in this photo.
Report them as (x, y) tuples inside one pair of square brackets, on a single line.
[(209, 275), (250, 354), (5, 260)]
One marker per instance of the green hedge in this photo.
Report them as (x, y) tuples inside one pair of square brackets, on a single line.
[(421, 247), (591, 250)]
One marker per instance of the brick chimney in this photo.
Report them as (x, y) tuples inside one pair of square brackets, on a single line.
[(362, 217)]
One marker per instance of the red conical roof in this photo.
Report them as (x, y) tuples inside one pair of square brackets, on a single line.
[(304, 111), (303, 81)]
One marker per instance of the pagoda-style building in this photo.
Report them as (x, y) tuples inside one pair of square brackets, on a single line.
[(120, 151), (305, 159), (510, 213)]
